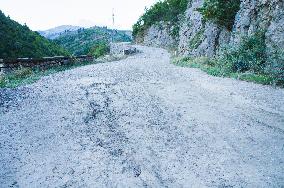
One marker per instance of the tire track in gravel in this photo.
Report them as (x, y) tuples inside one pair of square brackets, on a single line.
[(141, 122)]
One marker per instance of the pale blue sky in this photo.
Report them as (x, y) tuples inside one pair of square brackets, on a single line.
[(45, 14)]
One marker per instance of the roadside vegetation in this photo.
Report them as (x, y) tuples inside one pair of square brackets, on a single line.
[(20, 42), (211, 67), (25, 76), (251, 60)]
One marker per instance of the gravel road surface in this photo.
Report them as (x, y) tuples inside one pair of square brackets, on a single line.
[(141, 122)]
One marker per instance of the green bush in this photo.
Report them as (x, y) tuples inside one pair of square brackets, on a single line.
[(27, 76), (221, 12), (2, 81), (22, 73), (167, 11), (250, 60), (275, 65), (99, 50), (253, 60), (250, 54)]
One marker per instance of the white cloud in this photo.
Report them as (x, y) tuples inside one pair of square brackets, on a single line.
[(44, 14)]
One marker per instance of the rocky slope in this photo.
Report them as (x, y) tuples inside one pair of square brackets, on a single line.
[(199, 38)]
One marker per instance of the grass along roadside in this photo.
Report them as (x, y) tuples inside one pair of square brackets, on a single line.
[(211, 67), (26, 76)]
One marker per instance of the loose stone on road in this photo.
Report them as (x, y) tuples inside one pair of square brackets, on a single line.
[(141, 122)]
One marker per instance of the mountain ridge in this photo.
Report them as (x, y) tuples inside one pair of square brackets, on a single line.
[(83, 40), (55, 32), (18, 40)]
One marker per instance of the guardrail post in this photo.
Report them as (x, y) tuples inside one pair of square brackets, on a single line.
[(2, 67)]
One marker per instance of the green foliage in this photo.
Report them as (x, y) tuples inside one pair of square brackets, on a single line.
[(84, 41), (23, 73), (275, 65), (27, 76), (167, 11), (204, 63), (2, 81), (250, 60), (19, 41), (99, 50), (257, 78), (213, 68), (249, 55), (197, 39), (175, 31), (222, 12)]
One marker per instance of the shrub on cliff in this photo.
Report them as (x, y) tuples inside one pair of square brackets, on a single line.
[(253, 56), (167, 11), (222, 12), (249, 55), (250, 60)]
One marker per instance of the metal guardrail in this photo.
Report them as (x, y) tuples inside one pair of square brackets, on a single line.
[(15, 63)]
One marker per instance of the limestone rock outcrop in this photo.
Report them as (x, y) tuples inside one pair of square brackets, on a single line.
[(198, 38)]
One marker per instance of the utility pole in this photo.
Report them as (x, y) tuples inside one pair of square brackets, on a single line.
[(112, 37)]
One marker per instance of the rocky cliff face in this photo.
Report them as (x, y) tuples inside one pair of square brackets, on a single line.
[(197, 38), (267, 15), (160, 36)]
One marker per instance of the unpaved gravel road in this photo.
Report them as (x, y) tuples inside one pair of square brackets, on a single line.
[(141, 122)]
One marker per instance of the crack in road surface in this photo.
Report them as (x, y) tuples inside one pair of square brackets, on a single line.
[(141, 122)]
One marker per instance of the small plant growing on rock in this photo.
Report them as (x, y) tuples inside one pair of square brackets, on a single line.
[(2, 81), (197, 39)]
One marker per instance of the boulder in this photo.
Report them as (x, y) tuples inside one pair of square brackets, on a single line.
[(123, 48)]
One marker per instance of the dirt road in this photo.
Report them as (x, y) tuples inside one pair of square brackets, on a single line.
[(141, 122)]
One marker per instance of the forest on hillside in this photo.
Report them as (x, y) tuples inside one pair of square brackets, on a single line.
[(18, 40), (92, 41)]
